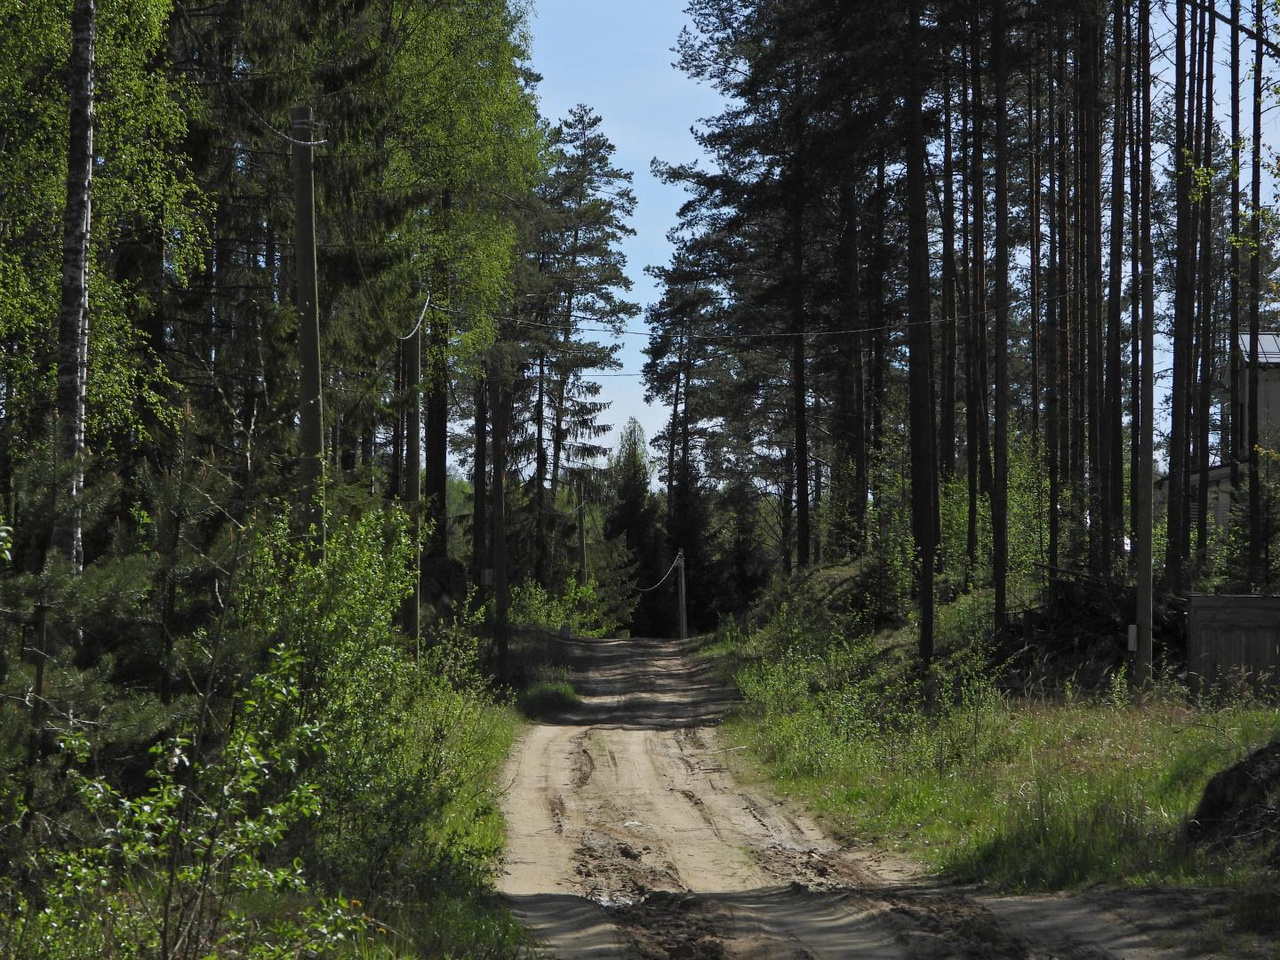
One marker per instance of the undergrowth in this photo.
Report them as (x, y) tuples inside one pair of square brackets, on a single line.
[(1051, 792), (324, 788)]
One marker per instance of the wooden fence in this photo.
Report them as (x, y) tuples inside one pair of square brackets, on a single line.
[(1233, 637)]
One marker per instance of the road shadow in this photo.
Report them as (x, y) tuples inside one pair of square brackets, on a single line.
[(642, 683)]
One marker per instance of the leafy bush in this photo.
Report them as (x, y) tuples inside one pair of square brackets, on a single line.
[(326, 760), (533, 605)]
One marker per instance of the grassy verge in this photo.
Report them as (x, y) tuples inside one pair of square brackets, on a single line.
[(1052, 792)]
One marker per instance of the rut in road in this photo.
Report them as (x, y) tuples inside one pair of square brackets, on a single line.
[(629, 837)]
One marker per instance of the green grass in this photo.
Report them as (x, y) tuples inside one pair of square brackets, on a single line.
[(550, 691), (444, 928), (1054, 792)]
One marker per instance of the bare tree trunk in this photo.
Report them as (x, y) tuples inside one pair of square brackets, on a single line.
[(1234, 448), (799, 388), (435, 474), (1033, 160), (1054, 318), (1097, 418), (1000, 489), (1182, 306), (950, 304), (1255, 295), (73, 314), (1114, 452), (1142, 481), (976, 359), (920, 341), (480, 484), (540, 476), (1205, 400), (500, 401)]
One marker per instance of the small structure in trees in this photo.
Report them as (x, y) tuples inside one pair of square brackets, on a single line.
[(1268, 386)]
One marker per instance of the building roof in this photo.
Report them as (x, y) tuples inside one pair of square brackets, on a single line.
[(1268, 349)]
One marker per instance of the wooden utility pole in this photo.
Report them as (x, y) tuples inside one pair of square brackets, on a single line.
[(1255, 299), (920, 339), (1235, 415), (499, 401), (310, 402), (1146, 402), (1000, 489), (582, 533), (412, 491), (684, 619), (73, 313)]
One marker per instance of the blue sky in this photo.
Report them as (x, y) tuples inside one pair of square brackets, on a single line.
[(615, 56)]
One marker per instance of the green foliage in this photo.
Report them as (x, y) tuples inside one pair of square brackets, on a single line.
[(575, 607), (168, 871), (1232, 573), (1024, 793), (550, 691), (261, 818), (1028, 486), (404, 773)]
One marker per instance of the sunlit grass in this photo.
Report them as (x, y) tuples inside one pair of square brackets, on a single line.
[(1050, 792)]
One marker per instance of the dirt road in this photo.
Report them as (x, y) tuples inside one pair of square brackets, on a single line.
[(629, 837)]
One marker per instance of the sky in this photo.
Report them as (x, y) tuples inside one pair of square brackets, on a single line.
[(615, 56)]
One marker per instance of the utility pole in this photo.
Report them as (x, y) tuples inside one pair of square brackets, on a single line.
[(310, 402), (1142, 490), (684, 620), (413, 471), (498, 400), (582, 533)]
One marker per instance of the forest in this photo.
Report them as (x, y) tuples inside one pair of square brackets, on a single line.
[(304, 314)]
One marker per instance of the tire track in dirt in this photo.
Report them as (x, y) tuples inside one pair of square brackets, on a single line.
[(629, 837)]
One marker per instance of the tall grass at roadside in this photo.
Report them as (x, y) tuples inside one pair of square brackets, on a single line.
[(1040, 793)]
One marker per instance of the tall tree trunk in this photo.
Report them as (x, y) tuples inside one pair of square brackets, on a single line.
[(920, 340), (851, 432), (500, 401), (976, 360), (1097, 418), (1255, 301), (1036, 239), (539, 478), (1205, 399), (435, 476), (1142, 481), (73, 314), (1183, 296), (1134, 106), (1000, 491), (799, 387), (1066, 306), (1053, 319), (1114, 452), (1234, 448), (412, 498), (950, 304), (480, 485)]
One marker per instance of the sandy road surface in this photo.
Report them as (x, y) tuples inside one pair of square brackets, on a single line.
[(628, 837)]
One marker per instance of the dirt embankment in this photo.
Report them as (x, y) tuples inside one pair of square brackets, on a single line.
[(629, 837)]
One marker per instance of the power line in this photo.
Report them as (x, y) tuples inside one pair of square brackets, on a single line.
[(674, 563)]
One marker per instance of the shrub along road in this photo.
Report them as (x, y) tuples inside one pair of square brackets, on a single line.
[(629, 836)]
